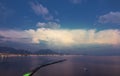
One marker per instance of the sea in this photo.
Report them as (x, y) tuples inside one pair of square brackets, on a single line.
[(75, 65)]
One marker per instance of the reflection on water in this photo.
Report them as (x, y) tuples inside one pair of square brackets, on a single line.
[(74, 66)]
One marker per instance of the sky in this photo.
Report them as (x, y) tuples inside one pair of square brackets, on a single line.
[(60, 24)]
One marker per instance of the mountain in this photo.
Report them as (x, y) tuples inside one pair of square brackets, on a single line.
[(11, 50), (45, 52)]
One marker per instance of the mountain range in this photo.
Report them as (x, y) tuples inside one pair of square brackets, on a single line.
[(108, 52), (10, 50)]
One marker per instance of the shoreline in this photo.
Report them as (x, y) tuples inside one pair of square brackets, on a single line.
[(19, 55)]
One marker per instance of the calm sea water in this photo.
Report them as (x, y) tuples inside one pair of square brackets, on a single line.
[(74, 66)]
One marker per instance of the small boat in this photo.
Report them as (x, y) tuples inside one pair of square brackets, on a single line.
[(85, 69)]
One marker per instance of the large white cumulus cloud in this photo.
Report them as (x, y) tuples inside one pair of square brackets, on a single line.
[(71, 37), (63, 37)]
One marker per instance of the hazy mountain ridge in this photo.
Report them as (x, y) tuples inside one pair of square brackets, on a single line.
[(108, 52), (45, 51), (10, 50)]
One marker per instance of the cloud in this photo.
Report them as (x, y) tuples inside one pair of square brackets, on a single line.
[(39, 9), (63, 38), (74, 37), (76, 1), (1, 38), (112, 17), (15, 36), (52, 25)]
